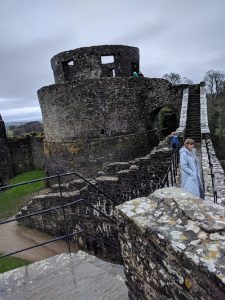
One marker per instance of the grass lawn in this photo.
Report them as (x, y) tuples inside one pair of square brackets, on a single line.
[(11, 262), (13, 199)]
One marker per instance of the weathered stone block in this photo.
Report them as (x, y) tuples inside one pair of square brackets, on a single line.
[(173, 246)]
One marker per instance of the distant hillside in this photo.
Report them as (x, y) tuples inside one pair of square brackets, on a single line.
[(9, 124), (30, 127)]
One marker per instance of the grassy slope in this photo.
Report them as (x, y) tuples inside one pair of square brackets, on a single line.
[(10, 202), (13, 199), (9, 263)]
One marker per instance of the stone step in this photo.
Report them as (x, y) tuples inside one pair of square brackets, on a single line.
[(193, 135), (69, 186), (66, 276), (193, 129)]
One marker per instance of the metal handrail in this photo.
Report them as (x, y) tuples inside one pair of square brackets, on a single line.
[(57, 176), (62, 206), (54, 209), (60, 238), (172, 170)]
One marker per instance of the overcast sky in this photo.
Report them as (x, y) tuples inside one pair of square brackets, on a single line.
[(183, 36)]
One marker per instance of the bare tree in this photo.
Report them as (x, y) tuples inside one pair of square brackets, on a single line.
[(173, 78), (215, 82), (186, 80)]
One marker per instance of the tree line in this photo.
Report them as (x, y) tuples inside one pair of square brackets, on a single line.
[(214, 80)]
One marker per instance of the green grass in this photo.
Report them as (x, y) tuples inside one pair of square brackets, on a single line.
[(12, 262), (13, 199)]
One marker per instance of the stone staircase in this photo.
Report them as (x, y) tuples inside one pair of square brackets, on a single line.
[(193, 126), (121, 181)]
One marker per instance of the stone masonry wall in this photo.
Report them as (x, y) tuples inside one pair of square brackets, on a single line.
[(86, 62), (80, 155), (27, 153), (5, 159), (37, 147), (121, 181), (218, 173), (100, 108), (96, 121), (173, 246)]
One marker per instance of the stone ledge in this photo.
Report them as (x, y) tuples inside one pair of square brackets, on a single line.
[(179, 224), (65, 276)]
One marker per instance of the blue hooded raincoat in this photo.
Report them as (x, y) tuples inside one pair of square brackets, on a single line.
[(190, 172)]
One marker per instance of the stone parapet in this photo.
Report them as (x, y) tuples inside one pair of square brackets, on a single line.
[(204, 112), (217, 171), (173, 246), (183, 114)]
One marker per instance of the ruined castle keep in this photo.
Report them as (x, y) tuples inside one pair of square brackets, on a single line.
[(96, 112)]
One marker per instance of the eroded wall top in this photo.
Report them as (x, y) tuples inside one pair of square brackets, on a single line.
[(95, 62)]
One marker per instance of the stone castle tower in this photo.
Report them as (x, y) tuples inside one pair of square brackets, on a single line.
[(5, 161), (96, 112)]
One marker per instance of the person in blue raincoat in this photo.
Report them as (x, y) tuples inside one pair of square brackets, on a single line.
[(173, 137), (190, 171)]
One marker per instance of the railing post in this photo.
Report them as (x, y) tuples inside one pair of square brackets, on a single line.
[(171, 174), (174, 169), (167, 180), (215, 196), (64, 214)]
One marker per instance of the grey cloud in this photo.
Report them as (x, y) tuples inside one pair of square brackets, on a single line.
[(180, 36), (143, 32), (21, 114)]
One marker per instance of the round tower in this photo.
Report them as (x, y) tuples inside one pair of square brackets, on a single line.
[(97, 112)]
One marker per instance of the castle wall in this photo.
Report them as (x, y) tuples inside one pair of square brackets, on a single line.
[(37, 148), (21, 155), (5, 159), (27, 153), (173, 246), (96, 121), (89, 157)]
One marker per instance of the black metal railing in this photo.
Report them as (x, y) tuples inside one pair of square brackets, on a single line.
[(67, 236), (58, 176), (215, 196), (170, 177)]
